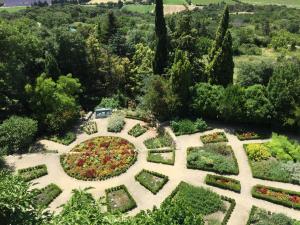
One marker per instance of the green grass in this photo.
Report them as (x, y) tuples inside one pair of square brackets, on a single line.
[(207, 2), (12, 9), (139, 8), (289, 3), (175, 2)]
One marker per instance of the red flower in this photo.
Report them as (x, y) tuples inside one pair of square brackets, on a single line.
[(295, 199), (106, 159), (80, 162), (123, 142), (263, 190), (91, 173), (104, 145), (113, 166)]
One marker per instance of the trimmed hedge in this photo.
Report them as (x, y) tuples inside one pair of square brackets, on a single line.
[(252, 212), (137, 130), (214, 138), (47, 194), (288, 203), (228, 184), (31, 173), (148, 185), (151, 158), (131, 205)]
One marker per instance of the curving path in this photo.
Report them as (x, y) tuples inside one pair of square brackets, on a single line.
[(177, 173)]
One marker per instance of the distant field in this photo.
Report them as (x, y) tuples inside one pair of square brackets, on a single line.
[(139, 8), (289, 3), (175, 2), (207, 2), (12, 9)]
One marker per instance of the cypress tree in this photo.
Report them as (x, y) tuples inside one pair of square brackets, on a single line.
[(161, 54), (222, 65), (220, 34), (109, 28)]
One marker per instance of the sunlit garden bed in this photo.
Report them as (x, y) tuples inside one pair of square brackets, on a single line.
[(151, 180), (223, 182), (99, 158), (47, 194), (137, 130), (32, 173), (214, 138), (166, 156)]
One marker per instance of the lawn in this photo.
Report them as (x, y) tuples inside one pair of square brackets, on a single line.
[(207, 2), (139, 8), (289, 3), (175, 2), (12, 9)]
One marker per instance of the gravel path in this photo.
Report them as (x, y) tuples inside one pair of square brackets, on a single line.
[(177, 173)]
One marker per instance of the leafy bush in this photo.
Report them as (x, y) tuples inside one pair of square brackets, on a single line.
[(64, 139), (278, 196), (115, 123), (223, 182), (157, 156), (151, 180), (139, 114), (31, 173), (214, 138), (244, 135), (218, 158), (160, 141), (112, 103), (47, 194), (186, 126), (257, 152), (90, 127), (137, 130), (16, 134), (125, 205)]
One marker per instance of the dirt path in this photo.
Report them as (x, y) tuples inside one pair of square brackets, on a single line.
[(177, 173)]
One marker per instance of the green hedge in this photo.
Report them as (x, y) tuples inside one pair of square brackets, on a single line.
[(219, 137), (148, 185), (230, 184), (137, 130), (155, 159), (32, 173), (47, 194), (131, 205), (275, 200)]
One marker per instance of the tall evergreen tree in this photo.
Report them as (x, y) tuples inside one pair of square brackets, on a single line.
[(161, 53), (109, 28), (221, 67), (220, 34)]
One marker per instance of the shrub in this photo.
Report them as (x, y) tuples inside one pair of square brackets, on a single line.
[(217, 158), (278, 196), (64, 139), (151, 180), (137, 130), (112, 103), (214, 138), (16, 134), (90, 127), (124, 206), (187, 126), (32, 173), (244, 135), (115, 123), (223, 182), (160, 141), (47, 194), (257, 152)]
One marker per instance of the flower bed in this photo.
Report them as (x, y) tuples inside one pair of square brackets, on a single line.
[(116, 123), (151, 180), (32, 173), (90, 127), (218, 158), (214, 138), (261, 216), (186, 126), (283, 197), (223, 182), (166, 156), (160, 141), (119, 200), (99, 158), (47, 194), (244, 135), (137, 130)]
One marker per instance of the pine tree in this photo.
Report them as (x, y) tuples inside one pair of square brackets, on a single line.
[(110, 27), (221, 67), (161, 53), (220, 34)]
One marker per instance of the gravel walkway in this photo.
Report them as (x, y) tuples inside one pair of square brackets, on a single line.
[(177, 173)]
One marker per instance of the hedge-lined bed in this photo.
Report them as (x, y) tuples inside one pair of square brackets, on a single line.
[(244, 135), (201, 200), (116, 123), (118, 199), (261, 216), (276, 160), (279, 196), (187, 126), (152, 181), (32, 173), (162, 140), (214, 138), (47, 194), (90, 127), (218, 158), (137, 130), (65, 139), (223, 182), (166, 156)]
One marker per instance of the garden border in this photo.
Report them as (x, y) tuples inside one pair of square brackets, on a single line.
[(161, 151), (32, 170), (209, 180)]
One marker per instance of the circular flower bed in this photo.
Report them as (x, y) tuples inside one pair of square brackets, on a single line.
[(99, 158)]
